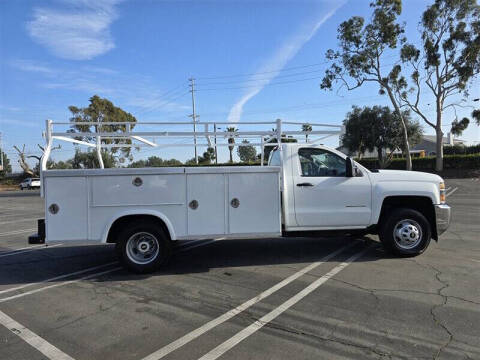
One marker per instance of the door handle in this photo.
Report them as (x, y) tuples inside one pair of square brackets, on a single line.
[(305, 184)]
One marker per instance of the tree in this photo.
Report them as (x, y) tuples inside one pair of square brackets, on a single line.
[(103, 111), (446, 63), (247, 153), (307, 128), (231, 140), (22, 159), (7, 168), (362, 51), (154, 161), (89, 160), (208, 156), (476, 116), (459, 126), (378, 129), (206, 159)]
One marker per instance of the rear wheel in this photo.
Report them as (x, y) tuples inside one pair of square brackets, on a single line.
[(406, 232), (143, 247)]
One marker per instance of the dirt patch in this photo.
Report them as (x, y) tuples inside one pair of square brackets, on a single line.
[(8, 187)]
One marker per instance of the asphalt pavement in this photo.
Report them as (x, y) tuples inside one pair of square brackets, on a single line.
[(294, 298)]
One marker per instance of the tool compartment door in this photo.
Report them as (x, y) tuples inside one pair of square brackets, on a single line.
[(254, 203), (206, 204), (67, 195)]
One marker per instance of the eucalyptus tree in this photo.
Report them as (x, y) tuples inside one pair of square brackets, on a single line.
[(102, 110), (445, 64), (363, 49)]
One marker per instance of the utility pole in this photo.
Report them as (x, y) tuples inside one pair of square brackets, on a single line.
[(194, 116)]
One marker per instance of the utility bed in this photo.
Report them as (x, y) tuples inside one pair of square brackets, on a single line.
[(193, 202)]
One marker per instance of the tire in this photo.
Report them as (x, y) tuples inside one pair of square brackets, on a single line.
[(405, 232), (147, 235)]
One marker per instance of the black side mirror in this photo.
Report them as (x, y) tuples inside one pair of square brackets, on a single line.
[(349, 167)]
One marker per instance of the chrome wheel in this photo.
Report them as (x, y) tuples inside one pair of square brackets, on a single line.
[(142, 248), (407, 234)]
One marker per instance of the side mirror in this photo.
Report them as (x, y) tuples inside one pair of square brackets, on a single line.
[(349, 167)]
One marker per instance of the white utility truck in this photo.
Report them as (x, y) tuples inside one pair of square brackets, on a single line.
[(307, 189)]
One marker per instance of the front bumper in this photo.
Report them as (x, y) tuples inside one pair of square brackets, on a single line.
[(442, 216)]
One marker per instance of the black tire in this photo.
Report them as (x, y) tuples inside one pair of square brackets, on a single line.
[(405, 232), (142, 234)]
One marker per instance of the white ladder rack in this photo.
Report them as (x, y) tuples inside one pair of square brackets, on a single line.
[(141, 139)]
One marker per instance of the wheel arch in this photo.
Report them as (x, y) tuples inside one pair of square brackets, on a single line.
[(116, 223), (422, 204)]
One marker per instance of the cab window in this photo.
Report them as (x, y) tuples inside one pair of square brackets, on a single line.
[(319, 162), (275, 158)]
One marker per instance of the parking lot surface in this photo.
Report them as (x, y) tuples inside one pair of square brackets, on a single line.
[(294, 298)]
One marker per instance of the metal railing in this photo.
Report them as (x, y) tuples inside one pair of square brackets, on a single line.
[(139, 139)]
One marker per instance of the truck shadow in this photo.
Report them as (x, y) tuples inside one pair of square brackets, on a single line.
[(264, 252), (45, 264)]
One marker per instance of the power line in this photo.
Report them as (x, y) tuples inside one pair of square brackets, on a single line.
[(261, 79), (270, 84), (264, 72)]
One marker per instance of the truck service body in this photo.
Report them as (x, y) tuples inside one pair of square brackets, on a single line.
[(306, 189)]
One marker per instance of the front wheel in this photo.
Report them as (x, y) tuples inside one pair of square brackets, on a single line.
[(406, 232), (143, 247)]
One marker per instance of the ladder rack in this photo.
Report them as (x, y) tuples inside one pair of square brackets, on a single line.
[(140, 139)]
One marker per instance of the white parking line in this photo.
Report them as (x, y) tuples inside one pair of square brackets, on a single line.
[(39, 214), (29, 249), (33, 339), (451, 192), (57, 278), (20, 220), (15, 232), (233, 312), (68, 275), (257, 325), (59, 284)]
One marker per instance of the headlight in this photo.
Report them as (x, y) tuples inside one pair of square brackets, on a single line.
[(442, 192)]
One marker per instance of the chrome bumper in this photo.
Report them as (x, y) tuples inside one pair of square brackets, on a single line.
[(442, 216)]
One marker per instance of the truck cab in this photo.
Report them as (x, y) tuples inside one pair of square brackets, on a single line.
[(324, 190)]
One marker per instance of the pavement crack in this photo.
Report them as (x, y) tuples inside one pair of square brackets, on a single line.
[(330, 338), (437, 321)]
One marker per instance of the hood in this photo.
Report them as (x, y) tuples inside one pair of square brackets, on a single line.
[(404, 175)]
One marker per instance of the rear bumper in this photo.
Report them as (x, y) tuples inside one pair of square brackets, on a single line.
[(442, 216), (39, 237)]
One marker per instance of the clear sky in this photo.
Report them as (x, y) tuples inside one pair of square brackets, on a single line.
[(253, 60)]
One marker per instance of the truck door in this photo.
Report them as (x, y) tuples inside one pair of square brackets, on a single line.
[(324, 196)]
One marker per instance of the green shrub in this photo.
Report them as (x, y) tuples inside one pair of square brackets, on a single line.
[(470, 161), (461, 149)]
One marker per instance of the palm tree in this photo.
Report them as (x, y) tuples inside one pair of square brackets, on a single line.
[(307, 128), (231, 140)]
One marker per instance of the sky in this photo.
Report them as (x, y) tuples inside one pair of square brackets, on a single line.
[(252, 61)]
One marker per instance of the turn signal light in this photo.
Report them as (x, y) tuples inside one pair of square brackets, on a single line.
[(442, 192)]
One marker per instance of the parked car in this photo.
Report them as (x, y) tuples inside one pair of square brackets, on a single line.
[(30, 183)]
